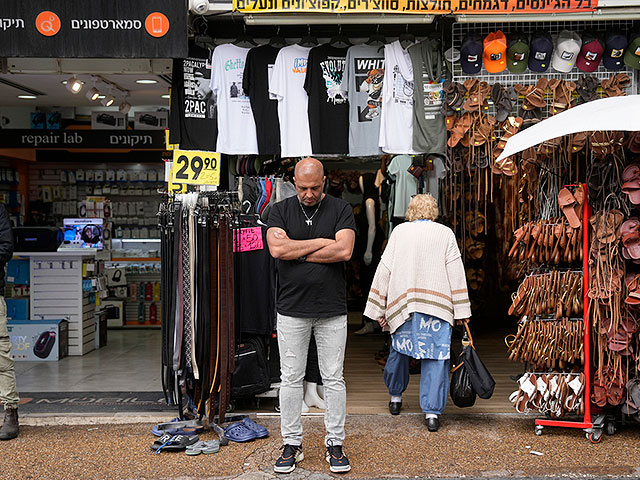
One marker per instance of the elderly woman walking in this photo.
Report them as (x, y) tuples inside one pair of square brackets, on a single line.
[(418, 292)]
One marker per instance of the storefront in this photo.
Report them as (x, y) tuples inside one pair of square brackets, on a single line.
[(395, 104)]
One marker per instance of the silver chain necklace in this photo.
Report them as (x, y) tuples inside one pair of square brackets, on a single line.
[(309, 219)]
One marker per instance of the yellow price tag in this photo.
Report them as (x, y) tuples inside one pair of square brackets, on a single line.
[(175, 187), (168, 145), (195, 167)]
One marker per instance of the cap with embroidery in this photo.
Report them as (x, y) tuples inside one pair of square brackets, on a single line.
[(540, 52), (566, 53), (495, 52), (632, 53), (517, 53), (471, 54), (615, 44), (591, 52)]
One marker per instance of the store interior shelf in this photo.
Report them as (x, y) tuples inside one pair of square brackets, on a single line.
[(136, 259)]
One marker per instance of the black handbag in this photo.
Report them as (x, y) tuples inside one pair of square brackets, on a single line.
[(251, 373), (481, 380), (461, 389)]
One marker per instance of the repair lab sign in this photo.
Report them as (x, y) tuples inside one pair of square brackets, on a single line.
[(93, 29)]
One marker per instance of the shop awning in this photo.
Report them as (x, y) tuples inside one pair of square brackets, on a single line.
[(615, 113)]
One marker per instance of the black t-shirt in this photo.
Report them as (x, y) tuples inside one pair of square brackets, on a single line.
[(193, 121), (255, 82), (310, 290), (328, 108)]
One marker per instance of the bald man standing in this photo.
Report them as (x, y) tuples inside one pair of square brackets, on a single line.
[(312, 236)]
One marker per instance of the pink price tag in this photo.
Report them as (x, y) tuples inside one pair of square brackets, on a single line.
[(250, 239)]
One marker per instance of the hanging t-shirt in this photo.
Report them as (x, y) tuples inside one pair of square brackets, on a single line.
[(405, 185), (396, 122), (258, 70), (193, 123), (429, 132), (328, 107), (236, 126), (364, 75), (287, 84)]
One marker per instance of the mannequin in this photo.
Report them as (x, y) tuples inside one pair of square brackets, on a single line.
[(312, 380), (374, 238)]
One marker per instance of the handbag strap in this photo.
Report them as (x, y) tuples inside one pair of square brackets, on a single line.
[(470, 341)]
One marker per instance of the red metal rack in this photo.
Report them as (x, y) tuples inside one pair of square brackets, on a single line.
[(592, 427)]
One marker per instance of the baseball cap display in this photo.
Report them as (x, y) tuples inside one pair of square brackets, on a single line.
[(591, 52), (615, 43), (540, 52), (632, 54), (567, 49), (495, 52), (471, 54), (517, 53)]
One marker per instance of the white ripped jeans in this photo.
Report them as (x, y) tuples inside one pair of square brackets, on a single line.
[(293, 341)]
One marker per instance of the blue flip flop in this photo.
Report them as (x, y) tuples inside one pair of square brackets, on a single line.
[(180, 429), (238, 432), (259, 430)]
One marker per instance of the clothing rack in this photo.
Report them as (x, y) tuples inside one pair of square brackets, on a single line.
[(592, 427)]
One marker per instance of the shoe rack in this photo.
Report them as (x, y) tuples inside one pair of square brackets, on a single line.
[(507, 79)]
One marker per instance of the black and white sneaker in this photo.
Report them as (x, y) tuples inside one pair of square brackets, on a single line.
[(291, 454), (338, 461)]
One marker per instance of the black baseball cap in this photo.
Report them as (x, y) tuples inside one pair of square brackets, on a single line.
[(540, 51), (615, 44), (471, 54)]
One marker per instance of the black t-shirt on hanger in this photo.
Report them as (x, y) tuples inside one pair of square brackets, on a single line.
[(193, 120), (311, 290), (255, 83), (328, 108)]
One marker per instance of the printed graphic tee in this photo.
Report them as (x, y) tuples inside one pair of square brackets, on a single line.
[(236, 126), (328, 107), (429, 132), (193, 123), (287, 84), (396, 119), (364, 76), (258, 70)]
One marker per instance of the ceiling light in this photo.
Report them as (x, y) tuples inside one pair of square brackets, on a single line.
[(146, 81), (74, 85), (27, 97), (93, 94), (124, 107), (108, 100), (101, 96), (166, 96)]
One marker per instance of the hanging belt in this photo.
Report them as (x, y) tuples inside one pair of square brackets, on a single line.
[(214, 354)]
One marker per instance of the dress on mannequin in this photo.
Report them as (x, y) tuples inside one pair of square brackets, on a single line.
[(372, 241)]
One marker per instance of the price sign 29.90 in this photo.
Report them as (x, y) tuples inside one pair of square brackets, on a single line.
[(195, 167)]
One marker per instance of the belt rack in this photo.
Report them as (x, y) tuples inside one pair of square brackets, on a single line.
[(593, 427)]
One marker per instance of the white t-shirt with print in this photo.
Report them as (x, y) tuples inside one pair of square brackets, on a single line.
[(287, 84), (396, 116), (236, 125)]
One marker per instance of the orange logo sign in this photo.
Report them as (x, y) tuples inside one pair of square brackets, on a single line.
[(157, 24), (48, 23)]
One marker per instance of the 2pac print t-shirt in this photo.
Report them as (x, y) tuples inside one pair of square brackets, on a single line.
[(287, 84), (236, 126), (258, 70), (364, 76), (193, 122), (328, 107)]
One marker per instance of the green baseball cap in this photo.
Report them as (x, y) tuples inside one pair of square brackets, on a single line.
[(518, 53), (632, 53)]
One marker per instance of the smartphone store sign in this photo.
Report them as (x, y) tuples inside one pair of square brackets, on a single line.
[(95, 29)]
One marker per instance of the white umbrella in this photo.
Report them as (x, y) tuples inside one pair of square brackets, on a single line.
[(615, 114)]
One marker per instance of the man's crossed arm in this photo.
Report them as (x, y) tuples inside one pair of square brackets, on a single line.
[(317, 250)]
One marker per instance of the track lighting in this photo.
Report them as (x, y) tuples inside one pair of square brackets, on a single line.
[(124, 107), (93, 94), (74, 85), (108, 100)]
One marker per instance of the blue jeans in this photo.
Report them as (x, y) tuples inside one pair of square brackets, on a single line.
[(434, 380), (293, 341)]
